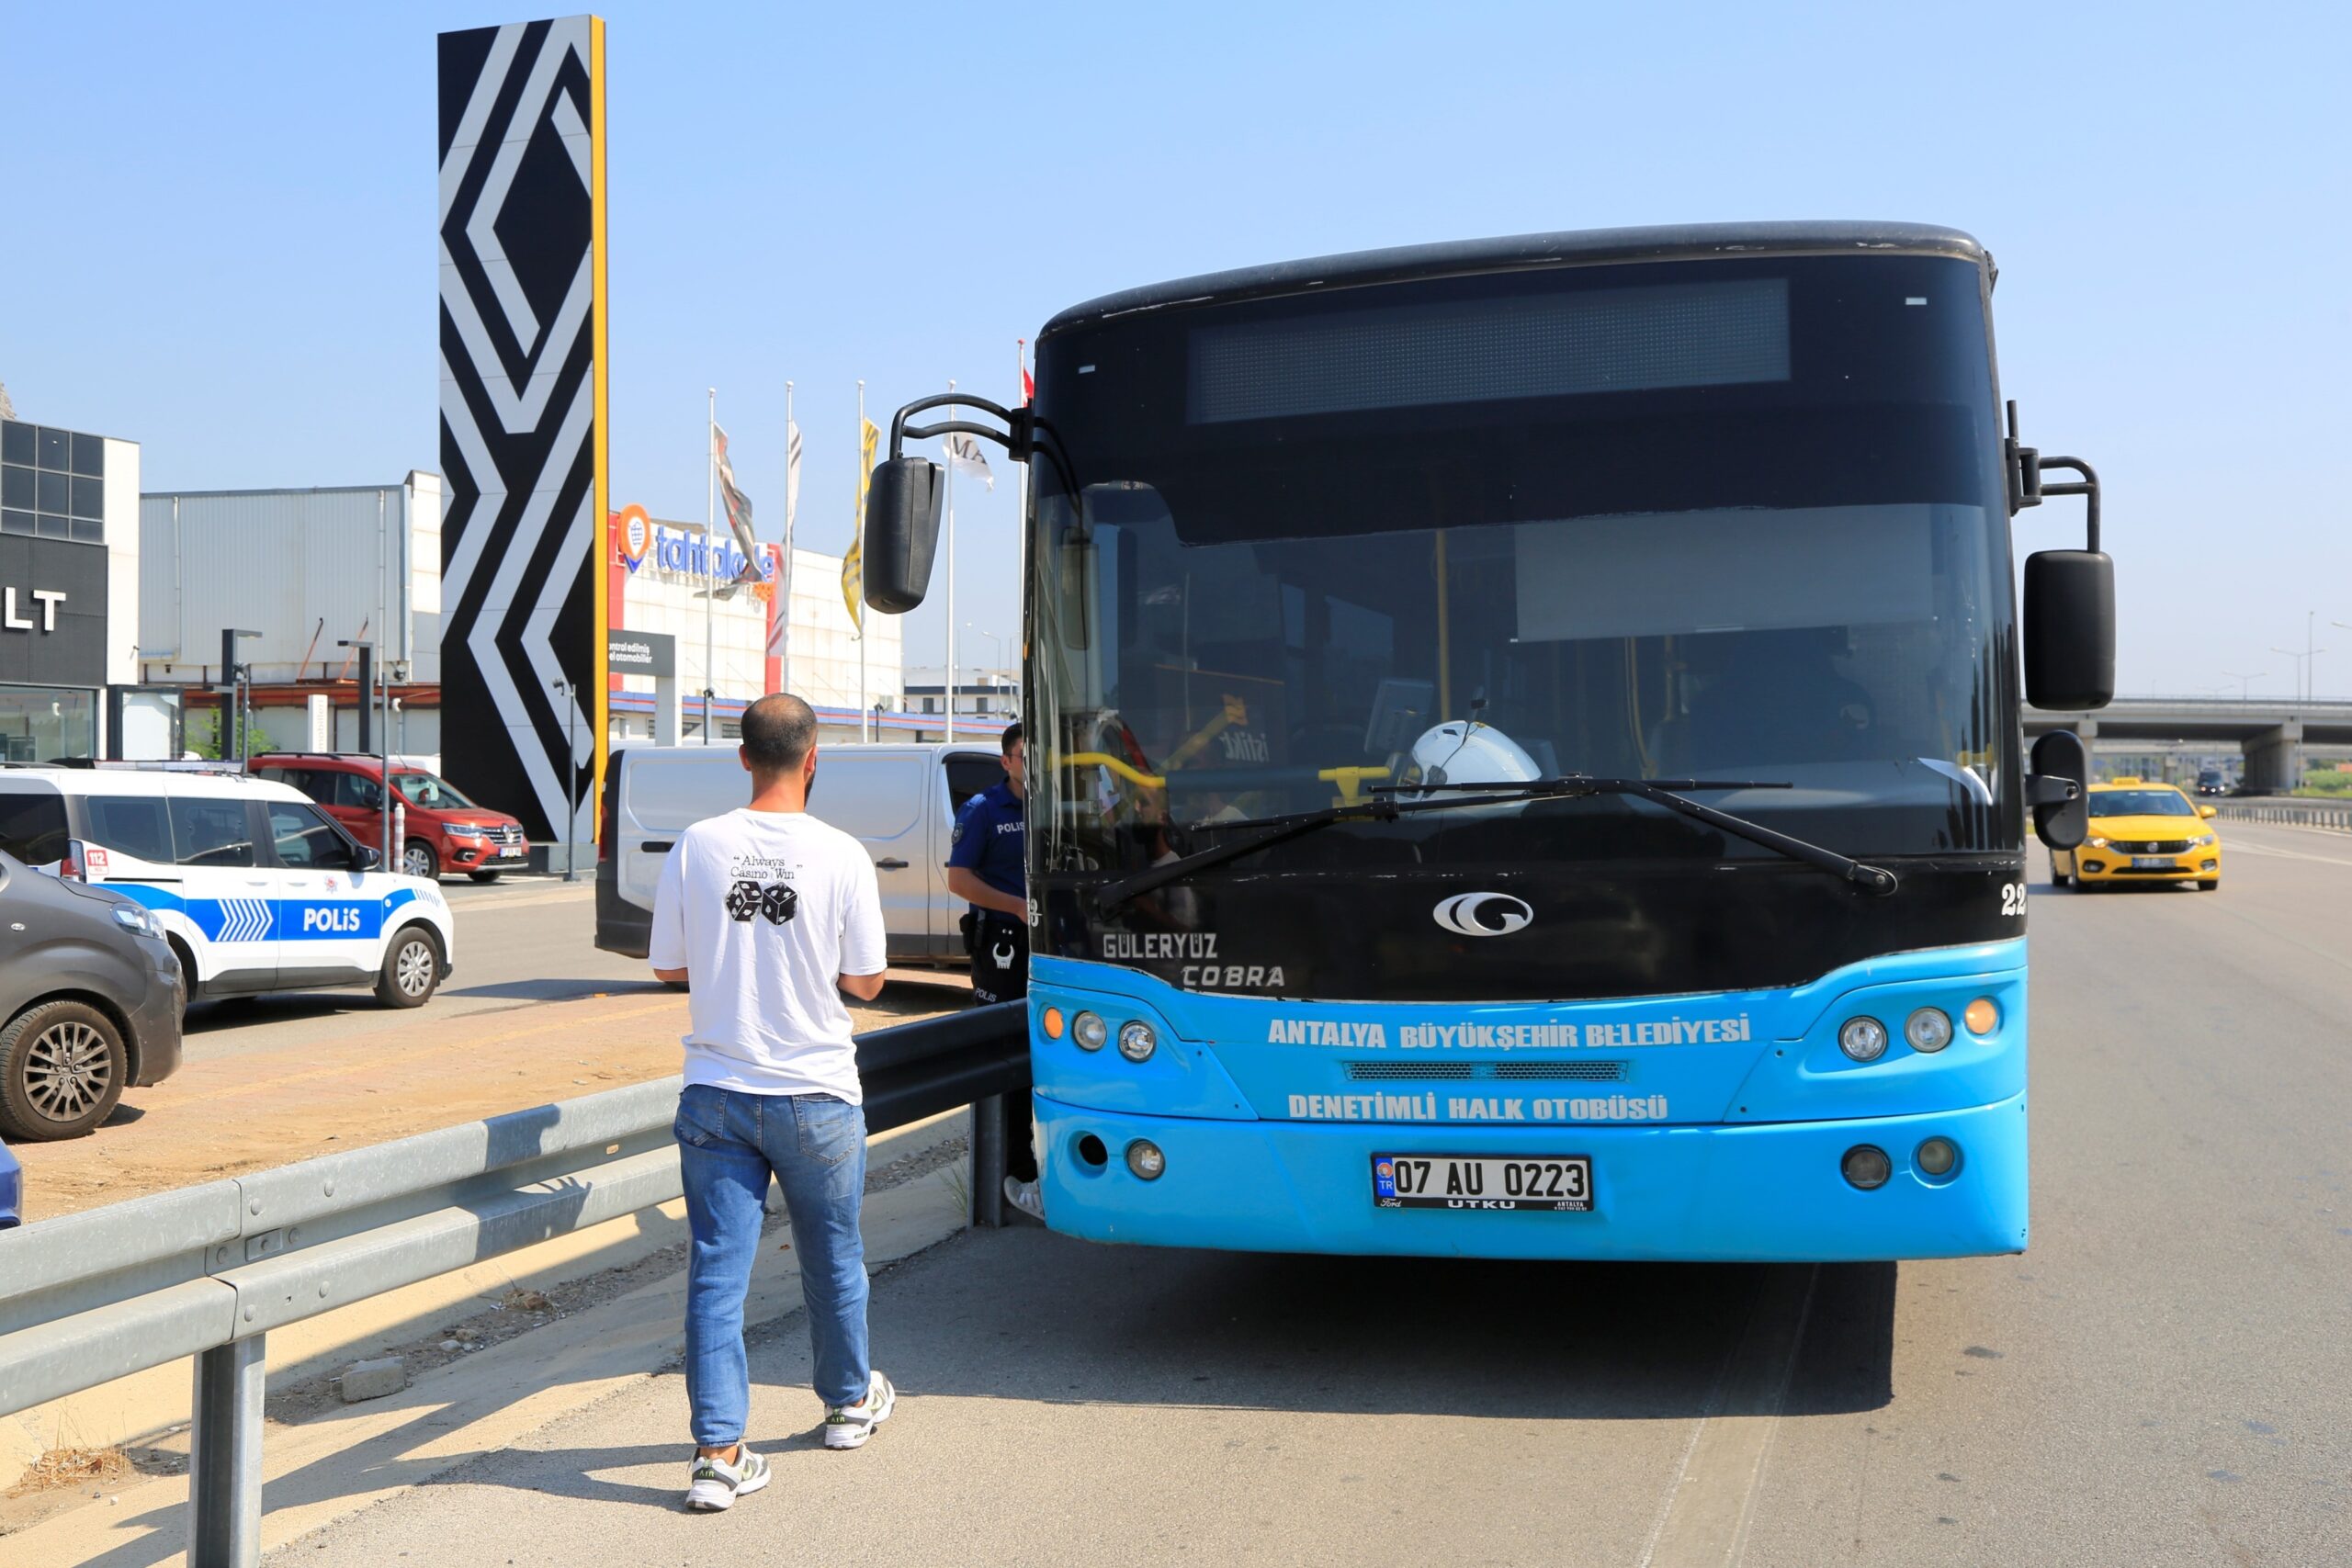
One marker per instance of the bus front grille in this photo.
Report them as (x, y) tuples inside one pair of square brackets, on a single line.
[(1582, 1072), (1579, 1072), (1362, 1072)]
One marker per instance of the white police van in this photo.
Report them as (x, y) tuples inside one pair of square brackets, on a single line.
[(256, 888)]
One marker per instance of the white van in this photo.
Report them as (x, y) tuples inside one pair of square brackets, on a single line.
[(256, 888), (899, 800)]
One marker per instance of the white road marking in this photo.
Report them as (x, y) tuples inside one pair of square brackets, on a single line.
[(1704, 1518), (2240, 846)]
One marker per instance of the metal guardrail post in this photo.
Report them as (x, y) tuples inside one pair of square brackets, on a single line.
[(988, 1161), (224, 1460)]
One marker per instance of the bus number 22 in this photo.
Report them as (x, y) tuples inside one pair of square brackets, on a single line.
[(2013, 900)]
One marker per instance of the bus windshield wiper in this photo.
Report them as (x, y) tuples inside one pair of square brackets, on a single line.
[(1664, 791), (1269, 830), (1383, 807)]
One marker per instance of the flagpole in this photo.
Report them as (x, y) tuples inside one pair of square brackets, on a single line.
[(864, 730), (709, 523), (951, 577), (783, 583)]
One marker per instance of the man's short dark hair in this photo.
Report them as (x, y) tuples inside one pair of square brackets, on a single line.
[(1011, 737), (778, 730)]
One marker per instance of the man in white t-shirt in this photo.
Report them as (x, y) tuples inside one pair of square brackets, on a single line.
[(769, 915)]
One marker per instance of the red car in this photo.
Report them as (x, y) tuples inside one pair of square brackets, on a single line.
[(445, 831)]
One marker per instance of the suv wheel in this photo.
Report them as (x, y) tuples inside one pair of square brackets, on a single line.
[(62, 1066), (417, 859), (411, 968)]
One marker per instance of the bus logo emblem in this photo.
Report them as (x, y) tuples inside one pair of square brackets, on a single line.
[(1483, 914)]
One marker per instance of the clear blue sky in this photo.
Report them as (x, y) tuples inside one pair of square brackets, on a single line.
[(218, 240)]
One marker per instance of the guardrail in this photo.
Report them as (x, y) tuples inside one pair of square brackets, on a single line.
[(208, 1272), (2290, 813)]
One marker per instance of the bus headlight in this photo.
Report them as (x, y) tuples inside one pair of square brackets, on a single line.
[(1929, 1029), (1863, 1039), (1867, 1167), (1146, 1160), (1136, 1040), (1089, 1030), (1938, 1157)]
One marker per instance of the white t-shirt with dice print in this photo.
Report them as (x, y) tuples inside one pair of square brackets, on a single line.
[(763, 910)]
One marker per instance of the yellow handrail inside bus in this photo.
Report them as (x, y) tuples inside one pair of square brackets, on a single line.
[(1350, 780), (1117, 765)]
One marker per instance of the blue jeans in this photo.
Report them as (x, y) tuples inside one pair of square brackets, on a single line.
[(728, 1143)]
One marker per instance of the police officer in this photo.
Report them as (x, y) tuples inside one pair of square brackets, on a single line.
[(987, 868)]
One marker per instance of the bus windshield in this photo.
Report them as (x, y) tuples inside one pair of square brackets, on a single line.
[(1736, 521)]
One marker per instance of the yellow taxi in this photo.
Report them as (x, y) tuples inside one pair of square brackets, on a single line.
[(2143, 831)]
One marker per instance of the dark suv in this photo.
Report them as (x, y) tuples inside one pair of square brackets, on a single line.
[(89, 1003), (445, 831)]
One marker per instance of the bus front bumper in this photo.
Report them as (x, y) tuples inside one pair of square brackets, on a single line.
[(1770, 1193)]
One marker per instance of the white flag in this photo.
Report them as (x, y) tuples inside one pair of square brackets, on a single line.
[(791, 474), (963, 452)]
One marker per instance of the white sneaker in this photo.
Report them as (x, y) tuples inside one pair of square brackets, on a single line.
[(715, 1483), (848, 1426), (1024, 1196)]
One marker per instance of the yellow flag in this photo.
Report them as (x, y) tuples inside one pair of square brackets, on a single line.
[(853, 563)]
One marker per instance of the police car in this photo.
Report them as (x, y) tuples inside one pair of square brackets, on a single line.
[(256, 889)]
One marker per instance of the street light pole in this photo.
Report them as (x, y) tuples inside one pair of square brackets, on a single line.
[(233, 746), (567, 690), (2246, 682), (374, 744)]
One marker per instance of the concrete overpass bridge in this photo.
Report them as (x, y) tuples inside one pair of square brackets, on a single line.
[(2271, 731)]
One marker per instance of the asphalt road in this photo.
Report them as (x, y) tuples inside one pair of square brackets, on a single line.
[(521, 941), (2165, 1378)]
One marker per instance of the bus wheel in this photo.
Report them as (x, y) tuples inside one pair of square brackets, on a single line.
[(62, 1066), (411, 968)]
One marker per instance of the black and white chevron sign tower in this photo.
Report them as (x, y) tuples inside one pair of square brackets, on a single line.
[(523, 417)]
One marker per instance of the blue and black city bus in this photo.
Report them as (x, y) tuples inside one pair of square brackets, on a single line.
[(1526, 756)]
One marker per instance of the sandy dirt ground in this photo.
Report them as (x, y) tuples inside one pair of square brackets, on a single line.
[(229, 1114)]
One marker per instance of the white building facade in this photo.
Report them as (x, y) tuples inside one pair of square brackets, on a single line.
[(669, 579)]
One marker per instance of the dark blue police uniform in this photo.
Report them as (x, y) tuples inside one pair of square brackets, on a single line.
[(990, 843)]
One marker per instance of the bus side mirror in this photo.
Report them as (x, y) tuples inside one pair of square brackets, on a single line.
[(2055, 787), (2069, 629), (901, 533)]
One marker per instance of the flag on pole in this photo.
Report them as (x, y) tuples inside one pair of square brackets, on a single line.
[(853, 563), (791, 473), (963, 452), (739, 510), (779, 602)]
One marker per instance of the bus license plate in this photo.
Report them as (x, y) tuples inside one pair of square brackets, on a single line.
[(1552, 1184), (2152, 863)]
